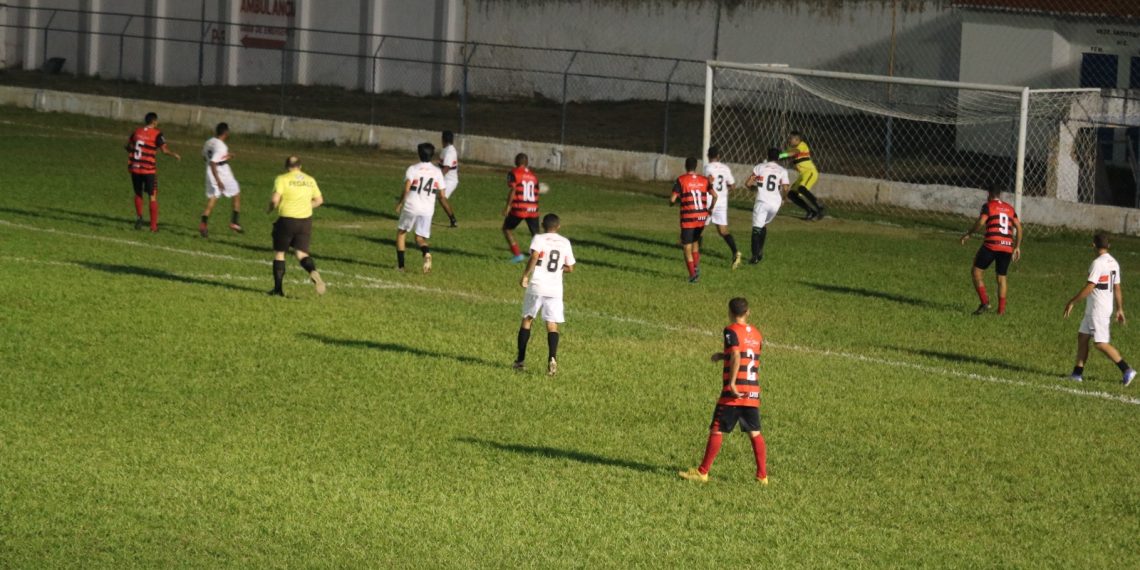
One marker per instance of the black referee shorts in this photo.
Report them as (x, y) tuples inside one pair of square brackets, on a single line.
[(144, 184), (725, 418), (987, 257), (292, 232)]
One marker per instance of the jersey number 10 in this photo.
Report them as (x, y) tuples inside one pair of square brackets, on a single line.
[(528, 190)]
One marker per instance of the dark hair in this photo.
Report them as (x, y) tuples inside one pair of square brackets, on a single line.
[(150, 118), (221, 129), (796, 134), (773, 154), (292, 162), (738, 307), (714, 153), (448, 137), (426, 151), (691, 164), (994, 190), (1100, 240), (551, 222), (521, 159)]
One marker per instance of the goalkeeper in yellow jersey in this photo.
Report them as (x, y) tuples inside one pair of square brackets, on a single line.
[(800, 155)]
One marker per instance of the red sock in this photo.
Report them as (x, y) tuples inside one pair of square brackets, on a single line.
[(1001, 305), (138, 206), (711, 449), (696, 259), (761, 451), (692, 268), (982, 295), (515, 249), (154, 215)]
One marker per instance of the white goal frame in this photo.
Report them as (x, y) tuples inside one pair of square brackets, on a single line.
[(1023, 120)]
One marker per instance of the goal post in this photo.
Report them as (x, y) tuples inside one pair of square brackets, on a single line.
[(893, 145)]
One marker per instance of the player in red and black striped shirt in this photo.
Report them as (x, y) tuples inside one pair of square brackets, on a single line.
[(142, 162), (739, 401), (692, 190), (522, 204), (1002, 245)]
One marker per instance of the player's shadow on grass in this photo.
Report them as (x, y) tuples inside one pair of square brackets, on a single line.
[(137, 271), (556, 453), (970, 359), (411, 245), (670, 245), (398, 348), (70, 219), (883, 295), (267, 250), (358, 211)]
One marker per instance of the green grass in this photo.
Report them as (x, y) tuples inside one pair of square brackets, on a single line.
[(157, 409)]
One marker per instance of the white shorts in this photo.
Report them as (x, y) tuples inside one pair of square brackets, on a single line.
[(763, 213), (227, 177), (449, 187), (1097, 326), (419, 225), (719, 217), (550, 307)]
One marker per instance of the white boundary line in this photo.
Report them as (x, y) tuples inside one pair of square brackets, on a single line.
[(376, 283)]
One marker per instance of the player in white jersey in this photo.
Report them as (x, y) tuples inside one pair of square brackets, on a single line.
[(1101, 289), (423, 184), (220, 179), (550, 257), (771, 183), (449, 165), (721, 182)]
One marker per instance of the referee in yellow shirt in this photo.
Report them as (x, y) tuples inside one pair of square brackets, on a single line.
[(295, 194)]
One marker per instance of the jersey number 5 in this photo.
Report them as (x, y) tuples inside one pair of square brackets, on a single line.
[(138, 150)]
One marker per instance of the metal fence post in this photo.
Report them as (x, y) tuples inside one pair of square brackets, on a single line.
[(468, 53), (47, 28), (201, 51), (565, 87), (122, 40), (375, 81), (668, 96)]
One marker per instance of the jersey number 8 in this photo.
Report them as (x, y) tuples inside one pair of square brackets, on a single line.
[(552, 260)]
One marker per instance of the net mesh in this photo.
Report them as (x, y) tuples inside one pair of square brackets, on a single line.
[(896, 149)]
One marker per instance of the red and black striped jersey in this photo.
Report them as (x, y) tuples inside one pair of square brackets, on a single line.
[(693, 191), (142, 149), (747, 341), (524, 185), (1000, 218)]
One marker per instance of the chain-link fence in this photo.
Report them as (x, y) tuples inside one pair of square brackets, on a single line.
[(580, 97)]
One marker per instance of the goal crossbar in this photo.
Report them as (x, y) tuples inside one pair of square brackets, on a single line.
[(781, 70)]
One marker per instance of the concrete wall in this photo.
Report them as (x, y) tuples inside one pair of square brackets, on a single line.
[(578, 160)]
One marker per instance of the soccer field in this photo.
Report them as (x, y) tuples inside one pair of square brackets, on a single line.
[(158, 409)]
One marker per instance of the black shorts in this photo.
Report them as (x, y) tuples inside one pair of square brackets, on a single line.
[(292, 232), (144, 183), (512, 222), (987, 257), (691, 235), (725, 418)]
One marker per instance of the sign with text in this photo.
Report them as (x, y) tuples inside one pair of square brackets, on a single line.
[(266, 23)]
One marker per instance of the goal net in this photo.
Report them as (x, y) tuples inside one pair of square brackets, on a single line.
[(905, 148)]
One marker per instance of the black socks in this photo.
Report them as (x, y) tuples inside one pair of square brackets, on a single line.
[(524, 338), (278, 274), (400, 259), (731, 241), (308, 264), (552, 340), (759, 236)]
